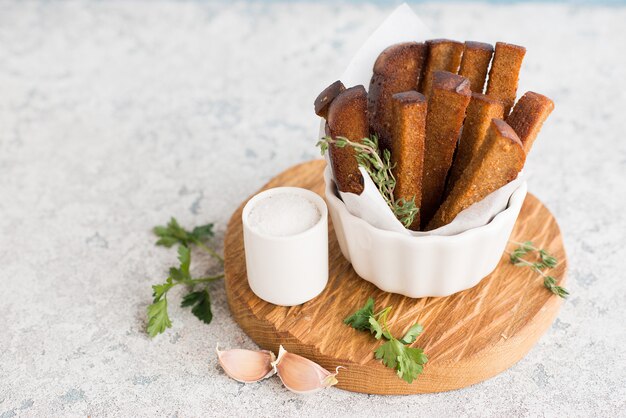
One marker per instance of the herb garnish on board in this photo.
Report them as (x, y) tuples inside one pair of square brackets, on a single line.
[(394, 353), (545, 261)]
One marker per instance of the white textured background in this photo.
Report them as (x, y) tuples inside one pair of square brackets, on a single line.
[(116, 115)]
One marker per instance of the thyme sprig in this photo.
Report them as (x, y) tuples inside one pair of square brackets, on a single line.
[(544, 262), (379, 168)]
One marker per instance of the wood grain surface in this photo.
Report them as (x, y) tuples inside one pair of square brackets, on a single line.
[(468, 337)]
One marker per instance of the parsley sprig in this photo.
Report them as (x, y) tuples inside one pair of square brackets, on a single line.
[(199, 300), (173, 233), (544, 261), (379, 168), (394, 353)]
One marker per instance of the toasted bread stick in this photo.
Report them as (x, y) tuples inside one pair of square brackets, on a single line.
[(504, 73), (449, 97), (500, 160), (397, 69), (407, 146), (478, 115), (347, 117), (528, 115), (326, 96), (443, 55), (475, 64)]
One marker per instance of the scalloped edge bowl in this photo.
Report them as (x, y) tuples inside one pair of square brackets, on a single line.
[(422, 266)]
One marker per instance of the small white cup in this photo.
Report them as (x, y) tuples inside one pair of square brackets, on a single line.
[(287, 270)]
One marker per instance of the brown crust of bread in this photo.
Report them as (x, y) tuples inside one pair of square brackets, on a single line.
[(480, 111), (528, 116), (327, 95), (443, 55), (407, 146), (397, 69), (449, 98), (499, 161), (347, 117), (475, 64), (504, 73)]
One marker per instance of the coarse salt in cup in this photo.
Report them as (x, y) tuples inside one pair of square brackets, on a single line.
[(285, 235)]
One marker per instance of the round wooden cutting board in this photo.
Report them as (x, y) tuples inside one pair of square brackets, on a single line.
[(468, 337)]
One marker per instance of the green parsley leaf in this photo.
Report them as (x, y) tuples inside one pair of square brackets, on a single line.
[(173, 233), (158, 290), (361, 319), (176, 274), (167, 241), (376, 328), (412, 334), (396, 354), (184, 256), (408, 362), (388, 353), (182, 272), (191, 299), (158, 320), (411, 363), (202, 302), (202, 233)]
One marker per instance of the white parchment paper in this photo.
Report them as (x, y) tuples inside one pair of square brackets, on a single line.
[(403, 25)]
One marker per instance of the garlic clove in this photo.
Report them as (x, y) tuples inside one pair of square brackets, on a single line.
[(247, 366), (301, 375)]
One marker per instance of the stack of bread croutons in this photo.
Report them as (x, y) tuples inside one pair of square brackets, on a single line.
[(452, 140)]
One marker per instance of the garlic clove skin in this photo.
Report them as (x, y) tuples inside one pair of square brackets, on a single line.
[(247, 366), (301, 375)]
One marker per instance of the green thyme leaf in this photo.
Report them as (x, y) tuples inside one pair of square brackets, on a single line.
[(550, 283), (560, 292), (546, 261)]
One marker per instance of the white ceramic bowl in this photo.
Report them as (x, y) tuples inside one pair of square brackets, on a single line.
[(427, 265)]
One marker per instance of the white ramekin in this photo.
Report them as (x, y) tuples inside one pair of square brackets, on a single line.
[(426, 265), (287, 270)]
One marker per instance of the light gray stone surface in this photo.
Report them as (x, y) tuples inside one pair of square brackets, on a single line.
[(115, 116)]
